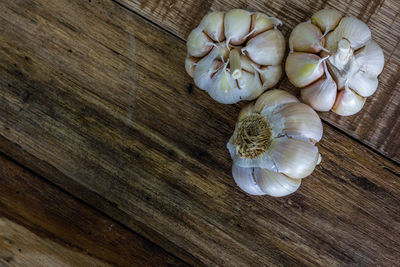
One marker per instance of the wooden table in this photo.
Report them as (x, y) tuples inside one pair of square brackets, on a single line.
[(110, 155)]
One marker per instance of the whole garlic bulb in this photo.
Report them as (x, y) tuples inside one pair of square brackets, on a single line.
[(273, 145), (235, 55), (334, 62)]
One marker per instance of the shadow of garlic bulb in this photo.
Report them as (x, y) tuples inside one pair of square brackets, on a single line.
[(236, 55), (334, 62), (273, 145)]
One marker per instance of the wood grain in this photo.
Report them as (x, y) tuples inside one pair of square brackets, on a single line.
[(377, 125), (20, 247), (55, 215), (96, 99)]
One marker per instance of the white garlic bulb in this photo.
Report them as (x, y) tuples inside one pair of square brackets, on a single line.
[(235, 55), (273, 145), (346, 70)]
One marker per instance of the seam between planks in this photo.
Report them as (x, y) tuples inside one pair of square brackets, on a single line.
[(81, 202), (39, 231), (323, 120)]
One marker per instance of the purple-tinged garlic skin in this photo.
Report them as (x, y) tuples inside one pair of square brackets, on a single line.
[(236, 55), (351, 61)]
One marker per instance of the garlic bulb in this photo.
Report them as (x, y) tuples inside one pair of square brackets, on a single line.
[(273, 145), (235, 55), (346, 70)]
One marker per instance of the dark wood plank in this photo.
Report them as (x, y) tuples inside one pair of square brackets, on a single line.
[(55, 215), (377, 125), (21, 247), (96, 99)]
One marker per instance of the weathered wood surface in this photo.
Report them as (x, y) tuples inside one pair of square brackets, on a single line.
[(20, 247), (96, 99), (47, 215), (378, 125)]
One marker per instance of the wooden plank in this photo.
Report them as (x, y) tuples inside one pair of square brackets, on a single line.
[(377, 125), (56, 216), (99, 96), (20, 247)]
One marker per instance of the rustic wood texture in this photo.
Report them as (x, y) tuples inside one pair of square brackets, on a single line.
[(20, 247), (96, 99), (53, 214), (377, 125)]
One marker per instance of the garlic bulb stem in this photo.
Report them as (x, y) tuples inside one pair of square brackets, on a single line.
[(235, 67), (342, 63), (342, 55)]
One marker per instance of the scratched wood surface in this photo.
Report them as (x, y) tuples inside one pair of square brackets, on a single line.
[(95, 99), (378, 125), (34, 215)]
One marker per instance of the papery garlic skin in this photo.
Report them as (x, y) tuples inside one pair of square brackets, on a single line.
[(236, 55), (352, 62), (273, 145)]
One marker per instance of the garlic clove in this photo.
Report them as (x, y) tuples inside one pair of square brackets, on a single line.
[(244, 178), (222, 85), (320, 95), (292, 157), (363, 83), (261, 23), (223, 88), (213, 24), (370, 58), (275, 184), (326, 19), (270, 75), (237, 24), (352, 29), (251, 83), (203, 73), (303, 69), (348, 103), (190, 64), (198, 43), (267, 48), (247, 64), (299, 121), (205, 68), (257, 181), (306, 37), (223, 52), (272, 99), (246, 111)]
